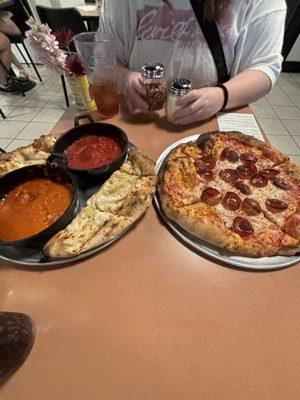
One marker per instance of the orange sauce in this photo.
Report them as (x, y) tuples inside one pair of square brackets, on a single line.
[(31, 207)]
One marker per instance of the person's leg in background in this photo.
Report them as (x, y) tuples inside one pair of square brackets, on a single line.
[(22, 74), (5, 58), (8, 27)]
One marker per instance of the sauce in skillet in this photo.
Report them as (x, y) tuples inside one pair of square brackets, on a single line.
[(32, 207), (92, 152)]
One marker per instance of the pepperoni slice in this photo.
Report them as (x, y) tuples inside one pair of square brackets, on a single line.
[(210, 160), (275, 205), (206, 163), (281, 183), (223, 155), (247, 170), (211, 196), (259, 180), (229, 175), (269, 173), (248, 157), (251, 207), (231, 201), (242, 187), (230, 155), (242, 226), (208, 176)]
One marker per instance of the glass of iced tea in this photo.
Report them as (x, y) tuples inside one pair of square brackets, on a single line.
[(97, 53)]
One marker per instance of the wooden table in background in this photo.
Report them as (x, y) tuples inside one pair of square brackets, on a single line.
[(94, 13), (148, 318), (91, 17)]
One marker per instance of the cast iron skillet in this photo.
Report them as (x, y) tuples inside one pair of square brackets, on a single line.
[(93, 128), (55, 173)]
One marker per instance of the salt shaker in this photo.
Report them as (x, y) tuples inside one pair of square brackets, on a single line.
[(155, 85), (177, 88)]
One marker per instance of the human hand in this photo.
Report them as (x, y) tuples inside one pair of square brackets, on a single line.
[(198, 105), (133, 90)]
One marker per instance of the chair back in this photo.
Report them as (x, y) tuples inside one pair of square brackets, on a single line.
[(292, 26), (58, 18), (21, 13)]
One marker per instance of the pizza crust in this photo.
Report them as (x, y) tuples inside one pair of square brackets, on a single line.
[(121, 201), (134, 206), (36, 153), (215, 141), (46, 142)]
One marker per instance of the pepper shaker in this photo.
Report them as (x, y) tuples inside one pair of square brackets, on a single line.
[(155, 85), (177, 88)]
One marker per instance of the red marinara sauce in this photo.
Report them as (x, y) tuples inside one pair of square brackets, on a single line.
[(92, 152)]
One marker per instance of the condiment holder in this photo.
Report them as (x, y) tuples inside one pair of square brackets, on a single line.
[(176, 89), (155, 85)]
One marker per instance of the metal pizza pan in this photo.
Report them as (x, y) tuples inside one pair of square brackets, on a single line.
[(35, 257), (202, 247)]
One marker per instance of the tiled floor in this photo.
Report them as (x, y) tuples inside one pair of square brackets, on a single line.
[(279, 114), (29, 117)]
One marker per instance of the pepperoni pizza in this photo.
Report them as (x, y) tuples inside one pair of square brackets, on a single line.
[(235, 192)]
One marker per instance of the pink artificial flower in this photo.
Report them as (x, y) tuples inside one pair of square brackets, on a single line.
[(74, 66), (46, 46)]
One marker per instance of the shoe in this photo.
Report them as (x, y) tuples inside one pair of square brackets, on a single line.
[(16, 341), (14, 85), (7, 88), (21, 86), (22, 75)]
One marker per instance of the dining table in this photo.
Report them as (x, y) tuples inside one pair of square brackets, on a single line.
[(89, 10), (90, 13), (149, 318)]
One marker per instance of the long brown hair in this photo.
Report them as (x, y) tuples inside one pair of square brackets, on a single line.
[(213, 9)]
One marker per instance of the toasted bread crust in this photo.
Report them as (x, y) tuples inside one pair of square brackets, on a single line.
[(120, 202)]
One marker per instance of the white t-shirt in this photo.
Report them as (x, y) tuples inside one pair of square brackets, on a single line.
[(145, 31)]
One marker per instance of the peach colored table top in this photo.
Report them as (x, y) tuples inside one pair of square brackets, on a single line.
[(147, 318)]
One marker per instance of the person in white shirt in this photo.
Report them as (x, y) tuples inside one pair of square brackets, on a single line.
[(168, 32)]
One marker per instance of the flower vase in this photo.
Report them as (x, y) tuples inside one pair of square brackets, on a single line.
[(80, 90)]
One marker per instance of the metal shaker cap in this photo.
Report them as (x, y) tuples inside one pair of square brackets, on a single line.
[(180, 86), (156, 70)]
